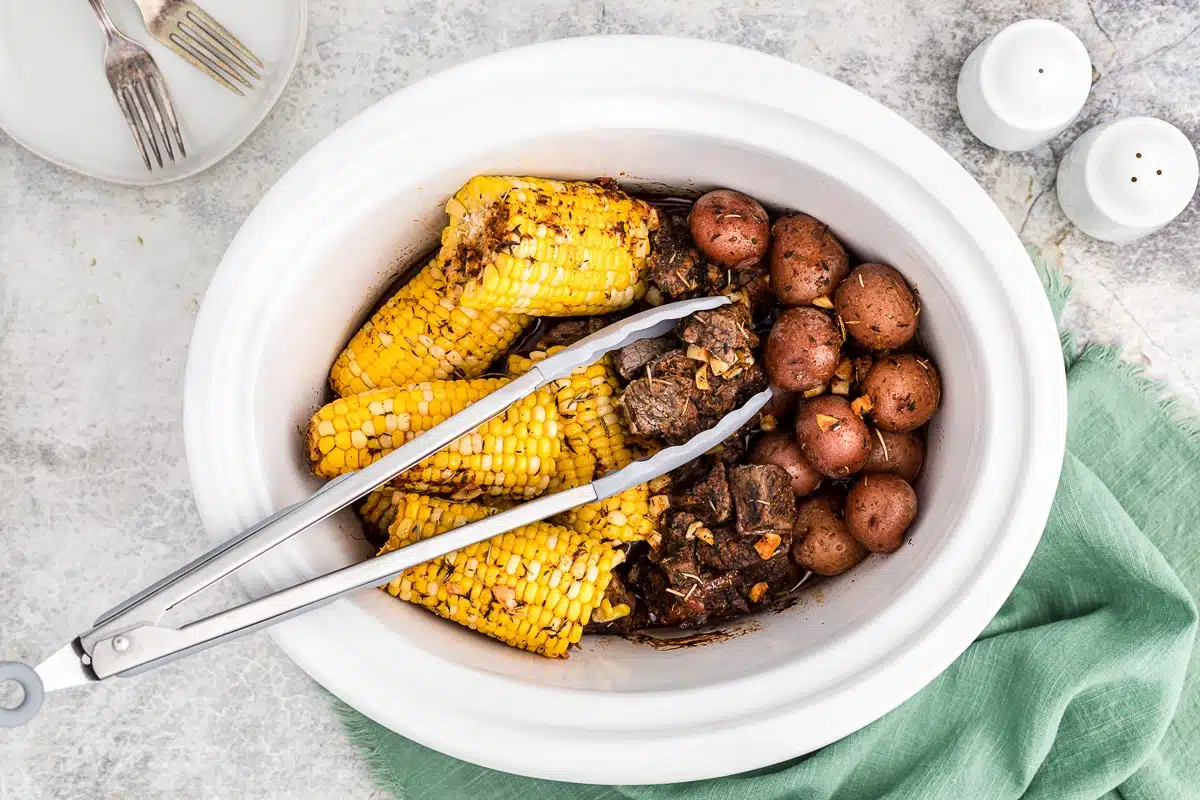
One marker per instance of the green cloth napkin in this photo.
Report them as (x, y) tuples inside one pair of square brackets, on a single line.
[(1078, 688)]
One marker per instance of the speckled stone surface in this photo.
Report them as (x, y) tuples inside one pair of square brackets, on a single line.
[(99, 286)]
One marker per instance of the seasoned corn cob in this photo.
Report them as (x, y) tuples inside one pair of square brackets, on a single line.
[(514, 454), (420, 334), (595, 445), (534, 587), (543, 247)]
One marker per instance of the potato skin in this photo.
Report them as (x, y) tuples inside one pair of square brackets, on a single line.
[(802, 350), (879, 509), (905, 453), (821, 542), (782, 450), (904, 390), (806, 261), (842, 449), (877, 307), (730, 228)]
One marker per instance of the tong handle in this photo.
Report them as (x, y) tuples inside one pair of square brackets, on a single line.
[(147, 647), (148, 606)]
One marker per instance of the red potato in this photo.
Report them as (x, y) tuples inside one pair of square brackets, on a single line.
[(903, 391), (802, 350), (832, 437), (782, 450), (730, 228), (806, 261), (821, 542), (879, 509), (899, 454), (877, 307)]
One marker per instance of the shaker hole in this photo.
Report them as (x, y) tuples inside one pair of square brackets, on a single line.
[(1158, 172), (1040, 70), (1139, 155), (1133, 180)]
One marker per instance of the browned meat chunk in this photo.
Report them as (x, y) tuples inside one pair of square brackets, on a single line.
[(707, 498), (676, 552), (629, 360), (673, 362), (729, 551), (724, 332), (762, 495), (661, 407), (727, 393), (675, 265), (780, 574), (708, 599), (670, 405)]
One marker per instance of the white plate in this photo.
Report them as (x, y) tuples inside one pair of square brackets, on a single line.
[(55, 100)]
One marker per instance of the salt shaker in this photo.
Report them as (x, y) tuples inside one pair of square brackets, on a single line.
[(1024, 85), (1125, 179)]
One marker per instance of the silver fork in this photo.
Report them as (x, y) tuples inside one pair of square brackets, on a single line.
[(141, 93), (189, 30)]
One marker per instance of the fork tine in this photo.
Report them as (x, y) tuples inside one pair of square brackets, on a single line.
[(127, 110), (158, 89), (223, 36), (149, 108), (144, 120), (189, 51), (215, 53), (219, 36)]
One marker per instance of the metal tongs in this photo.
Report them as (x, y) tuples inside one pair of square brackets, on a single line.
[(129, 639)]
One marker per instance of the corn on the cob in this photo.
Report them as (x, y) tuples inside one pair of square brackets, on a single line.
[(420, 334), (514, 454), (594, 445), (534, 588), (543, 247)]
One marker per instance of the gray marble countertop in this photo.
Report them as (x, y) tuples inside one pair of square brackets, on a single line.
[(99, 286)]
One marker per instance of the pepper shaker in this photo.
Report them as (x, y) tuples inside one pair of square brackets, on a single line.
[(1125, 179), (1024, 85)]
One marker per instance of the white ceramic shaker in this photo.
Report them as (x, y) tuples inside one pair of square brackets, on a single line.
[(1024, 85), (1124, 180)]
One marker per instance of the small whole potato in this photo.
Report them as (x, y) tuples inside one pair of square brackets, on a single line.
[(803, 349), (879, 509), (896, 453), (730, 228), (877, 307), (806, 261), (782, 450), (832, 437), (904, 392), (820, 540)]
